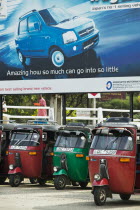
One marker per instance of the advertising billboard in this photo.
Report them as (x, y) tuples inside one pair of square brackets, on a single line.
[(67, 46)]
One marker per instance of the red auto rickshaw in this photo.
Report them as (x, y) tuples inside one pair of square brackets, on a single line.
[(114, 161), (30, 153), (5, 130)]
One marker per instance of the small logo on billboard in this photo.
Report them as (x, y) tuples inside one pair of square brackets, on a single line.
[(108, 85)]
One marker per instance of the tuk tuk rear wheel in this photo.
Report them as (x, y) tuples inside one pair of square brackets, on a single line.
[(125, 197), (41, 181), (15, 180), (100, 196), (60, 182), (83, 184), (33, 180), (2, 180)]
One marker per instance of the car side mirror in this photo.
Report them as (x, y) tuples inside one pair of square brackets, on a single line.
[(36, 26)]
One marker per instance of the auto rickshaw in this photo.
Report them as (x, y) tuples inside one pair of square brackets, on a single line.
[(5, 130), (30, 153), (114, 161), (70, 151)]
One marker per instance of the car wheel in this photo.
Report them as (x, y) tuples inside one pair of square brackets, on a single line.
[(57, 58), (125, 197), (60, 182), (100, 196), (15, 180), (21, 58)]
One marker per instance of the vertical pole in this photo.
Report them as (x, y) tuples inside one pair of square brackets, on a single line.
[(131, 105), (94, 113), (1, 108), (64, 109)]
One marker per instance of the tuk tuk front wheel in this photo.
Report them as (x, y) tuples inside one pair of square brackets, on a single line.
[(83, 184), (15, 180), (60, 182), (125, 197), (100, 196)]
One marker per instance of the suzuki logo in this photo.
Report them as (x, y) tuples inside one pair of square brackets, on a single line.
[(87, 31)]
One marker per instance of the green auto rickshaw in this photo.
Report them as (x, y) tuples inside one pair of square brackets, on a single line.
[(70, 151)]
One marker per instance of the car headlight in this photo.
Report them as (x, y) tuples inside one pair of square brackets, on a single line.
[(11, 167), (97, 177), (69, 37), (93, 24)]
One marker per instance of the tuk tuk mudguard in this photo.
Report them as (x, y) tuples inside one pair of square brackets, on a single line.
[(102, 183), (15, 171), (60, 172)]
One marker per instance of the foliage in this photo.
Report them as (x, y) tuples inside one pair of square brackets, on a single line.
[(22, 100), (72, 100)]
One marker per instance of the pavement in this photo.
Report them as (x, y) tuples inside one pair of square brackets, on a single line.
[(35, 197)]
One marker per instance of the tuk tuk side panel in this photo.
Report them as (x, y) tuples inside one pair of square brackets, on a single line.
[(49, 166), (121, 174), (137, 182), (77, 166), (31, 165), (4, 166)]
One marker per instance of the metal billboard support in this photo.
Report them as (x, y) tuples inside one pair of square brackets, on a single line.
[(1, 107), (64, 109), (131, 105)]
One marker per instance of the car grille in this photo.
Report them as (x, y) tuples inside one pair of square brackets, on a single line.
[(90, 42), (86, 31)]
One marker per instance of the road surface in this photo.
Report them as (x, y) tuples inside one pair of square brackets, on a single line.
[(29, 197)]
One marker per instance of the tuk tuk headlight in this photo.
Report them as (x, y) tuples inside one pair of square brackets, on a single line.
[(55, 169), (69, 37), (11, 167), (97, 177)]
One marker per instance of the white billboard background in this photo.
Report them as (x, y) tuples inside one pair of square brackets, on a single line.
[(96, 83)]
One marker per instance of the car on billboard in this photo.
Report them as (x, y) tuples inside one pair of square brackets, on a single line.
[(54, 33)]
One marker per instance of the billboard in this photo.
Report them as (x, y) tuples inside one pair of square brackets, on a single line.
[(51, 46)]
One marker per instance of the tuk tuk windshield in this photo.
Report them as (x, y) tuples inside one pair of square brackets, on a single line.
[(70, 141), (112, 139), (26, 138)]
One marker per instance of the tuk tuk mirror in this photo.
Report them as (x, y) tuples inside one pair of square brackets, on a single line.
[(44, 137)]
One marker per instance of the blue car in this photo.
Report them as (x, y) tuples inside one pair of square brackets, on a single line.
[(54, 33)]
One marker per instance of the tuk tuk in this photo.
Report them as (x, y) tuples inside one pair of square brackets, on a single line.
[(30, 153), (5, 130), (114, 161), (69, 160)]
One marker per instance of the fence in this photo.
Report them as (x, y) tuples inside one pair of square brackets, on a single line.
[(98, 115)]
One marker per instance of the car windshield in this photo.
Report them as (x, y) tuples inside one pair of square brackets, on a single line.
[(112, 139), (54, 16), (25, 139), (70, 141)]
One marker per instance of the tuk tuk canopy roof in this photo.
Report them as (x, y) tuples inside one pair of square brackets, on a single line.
[(35, 127)]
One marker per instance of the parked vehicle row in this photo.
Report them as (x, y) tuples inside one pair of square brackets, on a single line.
[(108, 156)]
